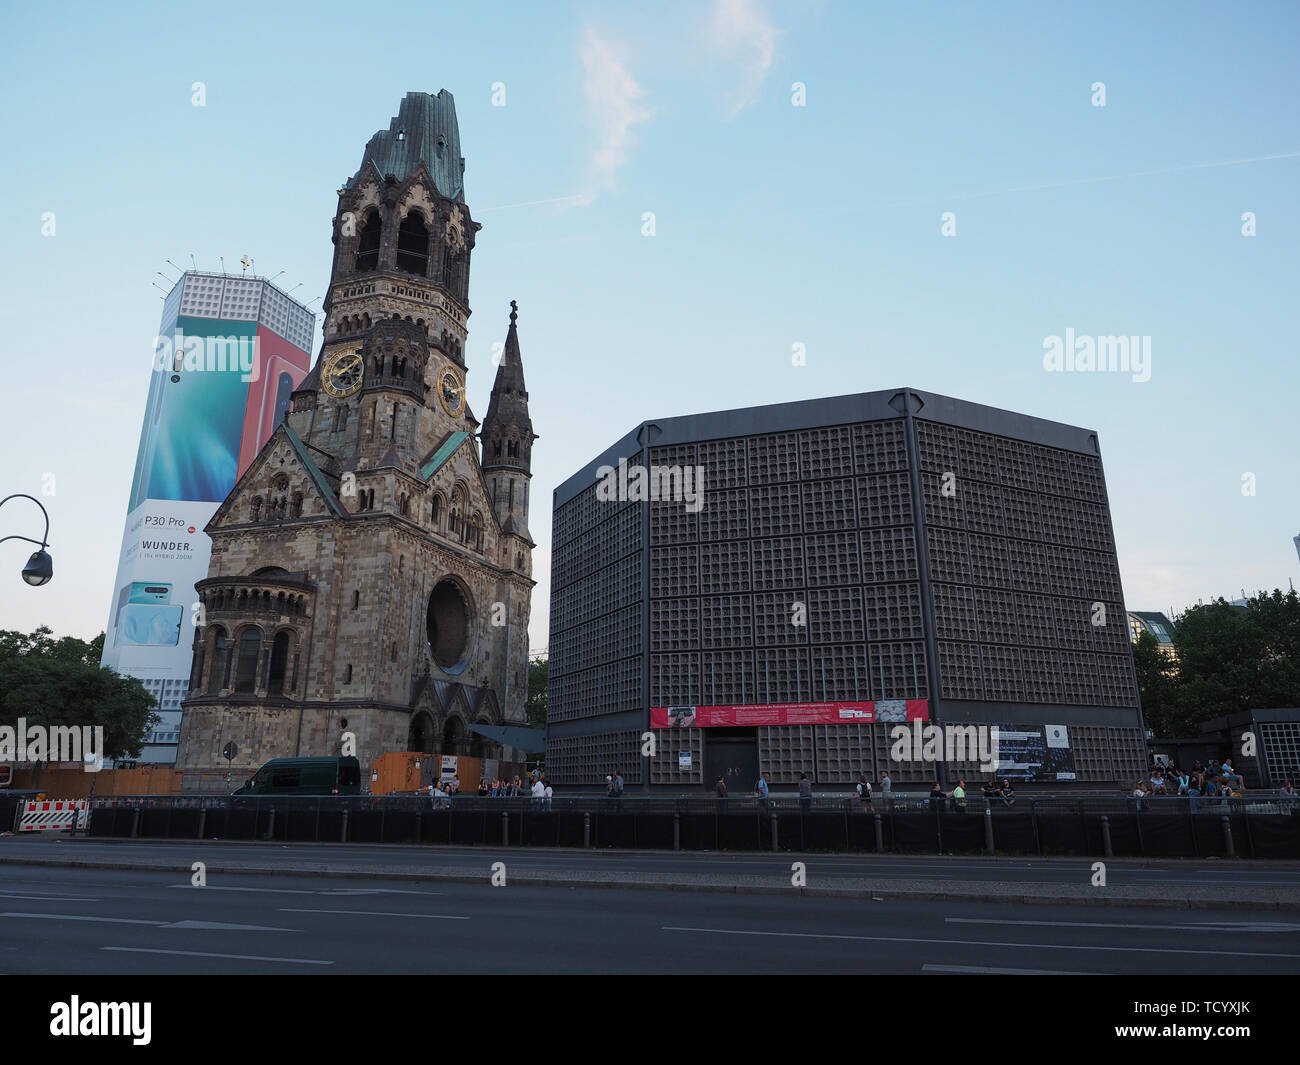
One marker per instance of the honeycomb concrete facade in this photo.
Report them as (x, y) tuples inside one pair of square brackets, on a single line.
[(889, 548), (370, 582)]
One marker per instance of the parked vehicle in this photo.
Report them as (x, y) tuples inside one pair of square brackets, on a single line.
[(305, 776)]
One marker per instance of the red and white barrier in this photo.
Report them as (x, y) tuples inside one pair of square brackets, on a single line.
[(54, 814)]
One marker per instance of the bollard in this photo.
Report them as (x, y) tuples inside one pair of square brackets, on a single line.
[(1227, 836), (586, 829), (775, 843), (880, 835), (1105, 837), (343, 834), (270, 825), (677, 831), (203, 822), (988, 829), (135, 822), (505, 828)]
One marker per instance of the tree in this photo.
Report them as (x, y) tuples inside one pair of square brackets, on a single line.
[(53, 682), (536, 705), (1229, 660)]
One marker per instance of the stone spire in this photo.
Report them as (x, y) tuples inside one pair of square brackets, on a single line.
[(508, 436)]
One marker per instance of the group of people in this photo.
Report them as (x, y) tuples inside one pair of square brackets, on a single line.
[(441, 791), (502, 788), (1213, 779)]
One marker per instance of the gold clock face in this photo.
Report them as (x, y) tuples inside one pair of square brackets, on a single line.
[(343, 373), (451, 391)]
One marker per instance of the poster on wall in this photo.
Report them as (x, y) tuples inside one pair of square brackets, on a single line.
[(733, 716), (1035, 753)]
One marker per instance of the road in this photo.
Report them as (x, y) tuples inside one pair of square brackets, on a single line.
[(110, 921)]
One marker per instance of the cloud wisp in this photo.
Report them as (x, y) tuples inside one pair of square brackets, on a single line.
[(614, 105)]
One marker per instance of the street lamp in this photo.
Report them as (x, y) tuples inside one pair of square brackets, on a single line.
[(40, 567)]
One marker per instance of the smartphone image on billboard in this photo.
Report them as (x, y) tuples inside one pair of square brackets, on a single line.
[(146, 625), (192, 449), (157, 593), (268, 403)]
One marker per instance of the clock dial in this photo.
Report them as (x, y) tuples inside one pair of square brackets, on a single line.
[(343, 373), (451, 391)]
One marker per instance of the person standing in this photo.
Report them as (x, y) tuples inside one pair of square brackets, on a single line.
[(539, 792), (805, 793), (959, 797), (547, 794), (864, 791), (763, 791)]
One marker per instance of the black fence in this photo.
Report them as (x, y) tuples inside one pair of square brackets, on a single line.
[(1094, 826)]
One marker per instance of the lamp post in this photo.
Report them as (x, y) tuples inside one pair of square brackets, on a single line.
[(40, 567)]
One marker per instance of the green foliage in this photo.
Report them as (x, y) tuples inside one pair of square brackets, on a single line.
[(536, 704), (60, 682), (1229, 660)]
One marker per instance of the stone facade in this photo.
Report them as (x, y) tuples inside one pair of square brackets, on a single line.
[(371, 573)]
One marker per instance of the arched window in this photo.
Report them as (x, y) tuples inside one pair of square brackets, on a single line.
[(367, 257), (413, 244), (196, 674), (250, 648), (347, 674), (295, 508), (220, 652), (279, 663), (454, 519), (435, 515), (256, 509)]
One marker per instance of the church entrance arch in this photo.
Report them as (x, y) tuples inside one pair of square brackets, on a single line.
[(423, 734)]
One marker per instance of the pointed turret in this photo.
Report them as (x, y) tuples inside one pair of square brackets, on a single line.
[(508, 437)]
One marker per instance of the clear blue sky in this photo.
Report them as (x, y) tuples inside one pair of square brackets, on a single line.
[(775, 225)]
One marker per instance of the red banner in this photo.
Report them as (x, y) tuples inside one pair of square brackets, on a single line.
[(890, 710)]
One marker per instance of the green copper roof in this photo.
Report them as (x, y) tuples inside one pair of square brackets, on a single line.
[(442, 454), (318, 478), (424, 131)]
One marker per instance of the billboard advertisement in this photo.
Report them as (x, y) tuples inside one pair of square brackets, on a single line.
[(860, 713), (217, 391), (1035, 753)]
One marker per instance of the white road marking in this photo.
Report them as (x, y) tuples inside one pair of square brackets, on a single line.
[(376, 913), (1006, 972), (206, 954), (220, 926), (982, 943), (269, 890), (76, 917), (50, 898), (1209, 926)]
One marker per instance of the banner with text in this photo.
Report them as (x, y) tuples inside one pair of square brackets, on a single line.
[(883, 710)]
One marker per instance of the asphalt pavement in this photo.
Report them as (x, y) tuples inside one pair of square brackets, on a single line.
[(63, 920)]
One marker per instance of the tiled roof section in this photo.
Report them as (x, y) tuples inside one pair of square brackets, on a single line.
[(442, 454), (313, 471), (424, 131)]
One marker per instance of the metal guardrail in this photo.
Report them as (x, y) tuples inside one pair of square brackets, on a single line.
[(897, 803)]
